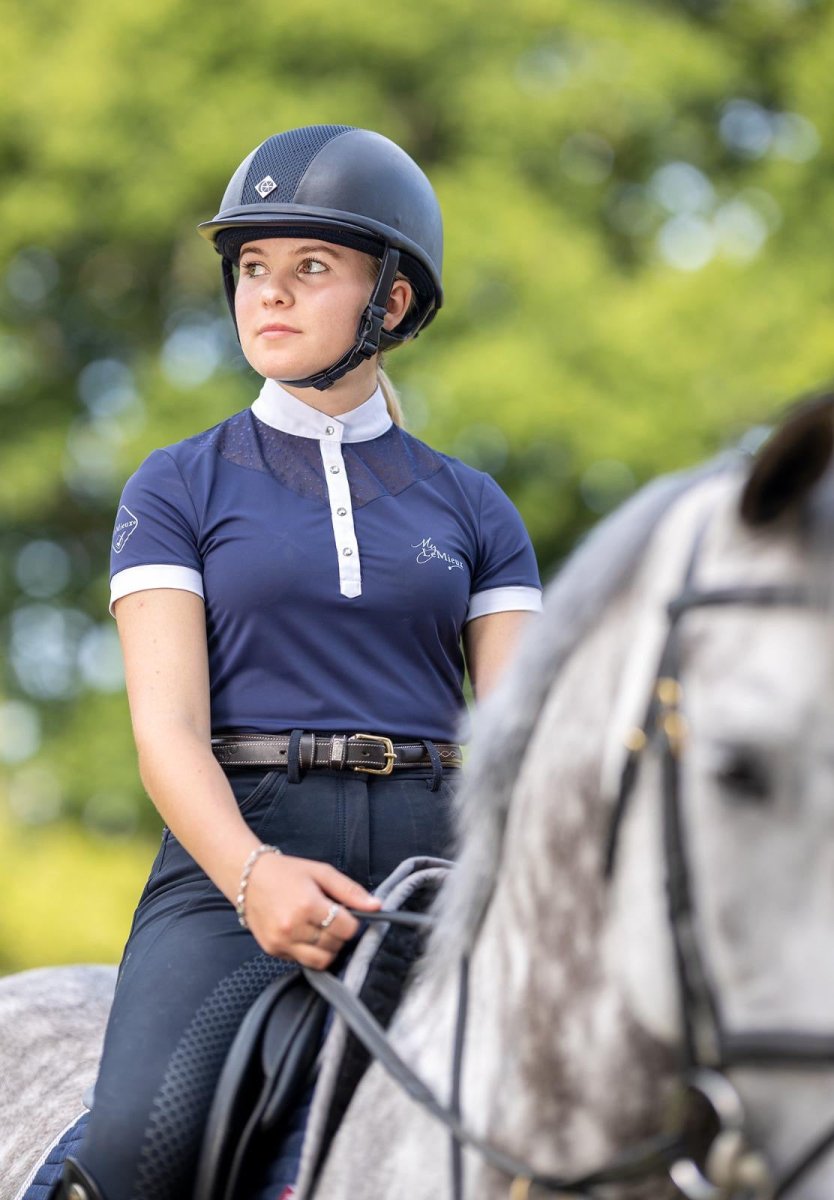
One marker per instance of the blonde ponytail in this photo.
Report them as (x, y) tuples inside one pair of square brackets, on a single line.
[(392, 400)]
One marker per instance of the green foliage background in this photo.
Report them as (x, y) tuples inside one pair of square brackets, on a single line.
[(638, 206)]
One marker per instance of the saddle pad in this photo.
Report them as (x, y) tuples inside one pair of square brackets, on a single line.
[(42, 1184), (397, 948)]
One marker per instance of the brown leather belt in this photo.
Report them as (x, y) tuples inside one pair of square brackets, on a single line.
[(337, 752)]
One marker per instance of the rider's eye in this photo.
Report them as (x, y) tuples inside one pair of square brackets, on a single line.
[(744, 774)]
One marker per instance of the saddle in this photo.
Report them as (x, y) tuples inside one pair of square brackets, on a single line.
[(280, 1050)]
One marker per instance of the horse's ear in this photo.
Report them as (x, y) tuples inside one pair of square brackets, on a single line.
[(791, 462)]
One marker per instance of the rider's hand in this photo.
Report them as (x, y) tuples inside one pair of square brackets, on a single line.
[(288, 898)]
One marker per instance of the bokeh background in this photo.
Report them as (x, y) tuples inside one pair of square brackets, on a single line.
[(639, 210)]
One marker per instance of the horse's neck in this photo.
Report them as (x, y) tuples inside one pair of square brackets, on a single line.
[(557, 1066), (568, 1066), (561, 1068)]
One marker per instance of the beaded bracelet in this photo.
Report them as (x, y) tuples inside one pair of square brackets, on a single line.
[(240, 903)]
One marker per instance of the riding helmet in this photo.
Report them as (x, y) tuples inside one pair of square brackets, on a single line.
[(352, 187)]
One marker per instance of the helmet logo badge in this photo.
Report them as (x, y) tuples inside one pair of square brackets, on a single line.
[(266, 186)]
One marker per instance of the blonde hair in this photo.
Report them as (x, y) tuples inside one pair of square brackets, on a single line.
[(392, 400)]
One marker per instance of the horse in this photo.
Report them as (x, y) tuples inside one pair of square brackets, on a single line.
[(629, 987), (645, 890)]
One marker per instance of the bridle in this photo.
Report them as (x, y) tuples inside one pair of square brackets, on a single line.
[(709, 1048), (706, 1154)]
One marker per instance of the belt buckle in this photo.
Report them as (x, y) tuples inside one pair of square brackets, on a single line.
[(389, 755)]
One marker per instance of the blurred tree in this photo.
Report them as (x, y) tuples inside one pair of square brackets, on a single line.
[(636, 197)]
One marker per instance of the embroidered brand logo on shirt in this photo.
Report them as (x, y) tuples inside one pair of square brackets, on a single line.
[(427, 551), (125, 525)]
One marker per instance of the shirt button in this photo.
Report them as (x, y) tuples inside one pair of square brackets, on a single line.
[(329, 430), (347, 552), (334, 470), (341, 512)]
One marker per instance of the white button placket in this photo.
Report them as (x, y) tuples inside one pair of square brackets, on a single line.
[(341, 510)]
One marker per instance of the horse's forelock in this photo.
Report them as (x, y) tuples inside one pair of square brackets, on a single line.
[(503, 724)]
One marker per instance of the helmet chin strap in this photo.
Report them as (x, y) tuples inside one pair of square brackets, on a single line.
[(367, 334)]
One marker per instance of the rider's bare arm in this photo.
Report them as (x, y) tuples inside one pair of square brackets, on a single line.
[(163, 638), (489, 643)]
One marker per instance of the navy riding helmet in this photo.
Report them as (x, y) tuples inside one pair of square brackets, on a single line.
[(352, 187)]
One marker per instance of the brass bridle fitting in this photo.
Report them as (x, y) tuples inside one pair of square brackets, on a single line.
[(670, 719)]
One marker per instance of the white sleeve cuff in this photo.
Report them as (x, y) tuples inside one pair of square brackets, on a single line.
[(155, 575), (505, 599)]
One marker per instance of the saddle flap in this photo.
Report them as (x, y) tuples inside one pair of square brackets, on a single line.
[(267, 1066), (291, 1043)]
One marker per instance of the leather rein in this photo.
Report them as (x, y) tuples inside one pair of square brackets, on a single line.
[(709, 1134)]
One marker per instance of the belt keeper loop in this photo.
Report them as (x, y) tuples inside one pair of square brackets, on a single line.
[(436, 766), (307, 751), (294, 757)]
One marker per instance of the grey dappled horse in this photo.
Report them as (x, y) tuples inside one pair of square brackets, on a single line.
[(51, 1027), (575, 1021)]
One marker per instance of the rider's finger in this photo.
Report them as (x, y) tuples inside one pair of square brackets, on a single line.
[(313, 956), (342, 889)]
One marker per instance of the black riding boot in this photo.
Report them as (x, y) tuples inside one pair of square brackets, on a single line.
[(76, 1184)]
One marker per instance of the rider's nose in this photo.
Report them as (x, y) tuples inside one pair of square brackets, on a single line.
[(277, 290)]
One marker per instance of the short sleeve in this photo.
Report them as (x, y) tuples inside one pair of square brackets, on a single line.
[(155, 537), (506, 576)]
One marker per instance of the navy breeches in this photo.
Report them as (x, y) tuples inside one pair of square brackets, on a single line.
[(190, 972)]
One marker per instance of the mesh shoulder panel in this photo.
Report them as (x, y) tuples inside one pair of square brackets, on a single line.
[(385, 466), (285, 157), (294, 461)]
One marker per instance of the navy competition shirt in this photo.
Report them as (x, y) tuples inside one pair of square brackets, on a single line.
[(338, 558)]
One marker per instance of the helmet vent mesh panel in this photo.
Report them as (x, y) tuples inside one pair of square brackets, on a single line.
[(285, 157)]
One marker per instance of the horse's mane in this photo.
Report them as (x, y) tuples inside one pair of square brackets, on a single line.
[(503, 724)]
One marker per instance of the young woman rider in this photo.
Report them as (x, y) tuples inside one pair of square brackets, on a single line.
[(295, 590)]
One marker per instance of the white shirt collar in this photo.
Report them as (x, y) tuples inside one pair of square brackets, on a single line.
[(278, 408)]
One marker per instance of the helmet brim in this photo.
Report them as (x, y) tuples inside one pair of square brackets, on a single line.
[(289, 218)]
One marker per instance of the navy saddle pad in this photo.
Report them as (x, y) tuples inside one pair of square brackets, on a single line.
[(44, 1182)]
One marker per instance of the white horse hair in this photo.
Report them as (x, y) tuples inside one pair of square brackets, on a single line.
[(52, 1021), (574, 1017)]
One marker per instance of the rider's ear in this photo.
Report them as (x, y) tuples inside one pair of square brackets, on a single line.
[(791, 462)]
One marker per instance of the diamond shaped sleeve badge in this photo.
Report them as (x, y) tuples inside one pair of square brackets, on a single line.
[(126, 522)]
